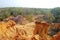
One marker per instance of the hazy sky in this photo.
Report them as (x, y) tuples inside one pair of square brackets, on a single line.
[(30, 3)]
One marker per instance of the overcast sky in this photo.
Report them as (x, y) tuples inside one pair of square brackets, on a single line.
[(30, 3)]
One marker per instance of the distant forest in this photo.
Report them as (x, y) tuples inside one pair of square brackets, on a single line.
[(53, 14)]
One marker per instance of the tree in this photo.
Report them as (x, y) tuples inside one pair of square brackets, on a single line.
[(56, 14), (50, 17)]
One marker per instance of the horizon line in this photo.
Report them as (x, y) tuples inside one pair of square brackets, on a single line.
[(27, 7)]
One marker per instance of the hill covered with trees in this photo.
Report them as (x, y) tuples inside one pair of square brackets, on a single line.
[(52, 15)]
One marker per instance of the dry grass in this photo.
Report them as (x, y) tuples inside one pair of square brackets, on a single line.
[(12, 31)]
